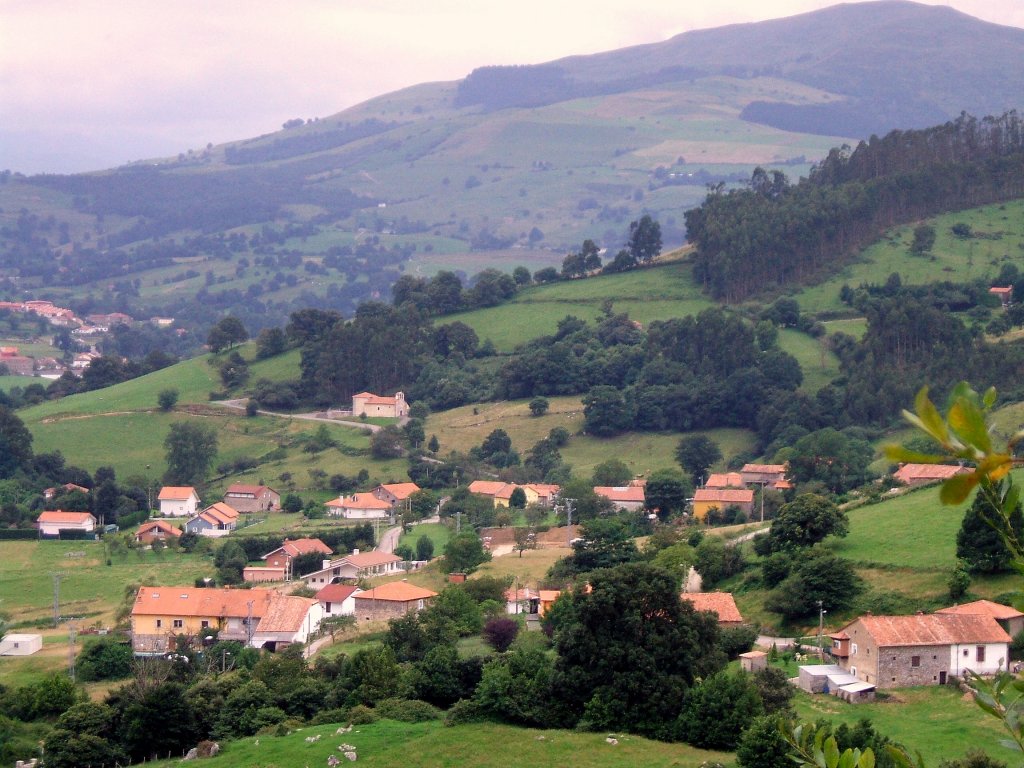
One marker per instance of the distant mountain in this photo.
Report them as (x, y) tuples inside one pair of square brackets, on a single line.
[(509, 166)]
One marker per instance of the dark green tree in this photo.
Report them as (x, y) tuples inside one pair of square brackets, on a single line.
[(717, 710), (644, 239), (762, 745), (667, 491), (833, 458), (433, 445), (15, 443), (227, 332), (818, 575), (805, 521), (270, 342), (464, 553), (424, 548), (517, 500), (190, 450), (167, 399), (612, 473), (539, 406), (696, 454), (924, 239), (606, 412), (978, 544), (630, 651)]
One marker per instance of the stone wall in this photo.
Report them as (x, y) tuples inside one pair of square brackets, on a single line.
[(898, 663)]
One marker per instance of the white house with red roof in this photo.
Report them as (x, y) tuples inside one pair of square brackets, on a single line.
[(282, 556), (338, 599), (178, 501), (359, 506), (1009, 618), (52, 522), (369, 404), (395, 494), (628, 497), (358, 565)]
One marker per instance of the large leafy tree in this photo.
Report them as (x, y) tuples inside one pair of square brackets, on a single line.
[(15, 443), (644, 239), (628, 650), (696, 454), (666, 491), (805, 521), (464, 553), (838, 460), (227, 332), (190, 449)]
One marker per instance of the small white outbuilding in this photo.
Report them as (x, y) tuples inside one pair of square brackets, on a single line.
[(20, 645)]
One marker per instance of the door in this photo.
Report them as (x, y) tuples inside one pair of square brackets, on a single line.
[(942, 678)]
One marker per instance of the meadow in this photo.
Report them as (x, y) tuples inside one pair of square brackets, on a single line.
[(432, 745)]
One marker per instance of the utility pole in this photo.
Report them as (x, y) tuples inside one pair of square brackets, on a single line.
[(72, 631), (248, 625), (568, 521), (458, 520), (56, 596), (821, 624)]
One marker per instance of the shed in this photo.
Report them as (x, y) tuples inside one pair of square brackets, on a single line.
[(814, 678), (752, 661), (20, 645)]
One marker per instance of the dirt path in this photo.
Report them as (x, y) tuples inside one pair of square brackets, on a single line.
[(239, 405)]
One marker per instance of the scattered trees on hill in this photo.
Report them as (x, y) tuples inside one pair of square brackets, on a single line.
[(696, 454), (190, 450), (227, 332)]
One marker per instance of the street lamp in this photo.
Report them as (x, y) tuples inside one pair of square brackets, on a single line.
[(821, 625)]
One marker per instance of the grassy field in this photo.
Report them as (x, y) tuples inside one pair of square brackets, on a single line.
[(818, 363), (939, 722), (431, 745), (953, 258), (464, 428), (436, 532)]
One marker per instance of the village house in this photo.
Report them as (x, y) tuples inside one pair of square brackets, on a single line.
[(17, 364), (719, 603), (371, 405), (358, 565), (924, 649), (923, 474), (282, 556), (763, 474), (628, 497), (706, 499), (392, 600), (1009, 618), (50, 493), (547, 599), (725, 480), (395, 494), (156, 530), (359, 506), (338, 599), (260, 618), (178, 501), (523, 600), (52, 522), (1004, 293), (252, 498), (216, 520)]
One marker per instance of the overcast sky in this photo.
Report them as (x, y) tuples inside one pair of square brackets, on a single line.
[(87, 84)]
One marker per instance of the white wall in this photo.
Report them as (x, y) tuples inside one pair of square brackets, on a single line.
[(997, 656)]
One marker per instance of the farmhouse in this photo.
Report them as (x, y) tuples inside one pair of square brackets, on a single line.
[(900, 651), (369, 404), (358, 565), (282, 556), (178, 501), (725, 480), (719, 603), (922, 474), (392, 600), (706, 499), (156, 530), (359, 506), (17, 365), (395, 494), (252, 498), (338, 599), (628, 497), (1010, 619), (763, 474), (50, 493), (216, 520), (52, 522), (257, 617), (1004, 293)]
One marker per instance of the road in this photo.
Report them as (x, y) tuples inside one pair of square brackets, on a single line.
[(239, 405)]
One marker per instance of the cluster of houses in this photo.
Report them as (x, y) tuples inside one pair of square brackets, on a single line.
[(220, 518)]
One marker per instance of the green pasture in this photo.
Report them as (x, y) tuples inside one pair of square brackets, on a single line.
[(439, 533), (89, 588), (952, 258), (431, 745), (818, 363), (937, 721)]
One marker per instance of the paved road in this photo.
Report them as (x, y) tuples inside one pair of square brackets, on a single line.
[(239, 405)]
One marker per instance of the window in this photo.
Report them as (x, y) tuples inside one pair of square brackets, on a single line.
[(853, 649), (966, 652), (915, 661), (205, 624), (178, 623), (981, 653), (159, 623)]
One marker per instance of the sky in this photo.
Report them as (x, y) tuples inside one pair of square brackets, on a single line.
[(90, 84)]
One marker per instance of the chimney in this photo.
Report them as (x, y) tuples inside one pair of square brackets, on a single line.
[(326, 564), (355, 551)]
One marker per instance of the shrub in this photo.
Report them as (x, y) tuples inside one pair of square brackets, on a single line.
[(500, 633), (362, 715), (465, 711), (325, 716), (407, 710)]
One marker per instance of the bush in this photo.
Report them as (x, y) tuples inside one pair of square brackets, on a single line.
[(362, 715), (104, 659), (167, 399), (325, 716), (465, 711), (407, 710), (736, 640), (501, 632)]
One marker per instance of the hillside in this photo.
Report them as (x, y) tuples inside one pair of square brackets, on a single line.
[(330, 212)]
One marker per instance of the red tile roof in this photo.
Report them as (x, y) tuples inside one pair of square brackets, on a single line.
[(621, 493), (369, 559), (910, 473), (219, 513), (931, 629), (719, 603), (187, 601), (359, 501), (246, 490), (372, 399), (303, 547), (60, 516), (176, 492), (285, 613), (400, 491), (984, 608), (725, 480), (486, 487), (396, 591), (336, 593), (159, 525), (724, 495)]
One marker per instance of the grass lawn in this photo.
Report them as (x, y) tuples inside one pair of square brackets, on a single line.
[(939, 722), (529, 569), (436, 532), (818, 363), (432, 745)]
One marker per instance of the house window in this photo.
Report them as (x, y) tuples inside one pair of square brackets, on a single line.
[(966, 652), (204, 624), (159, 623), (853, 649), (915, 661), (178, 623), (981, 653)]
